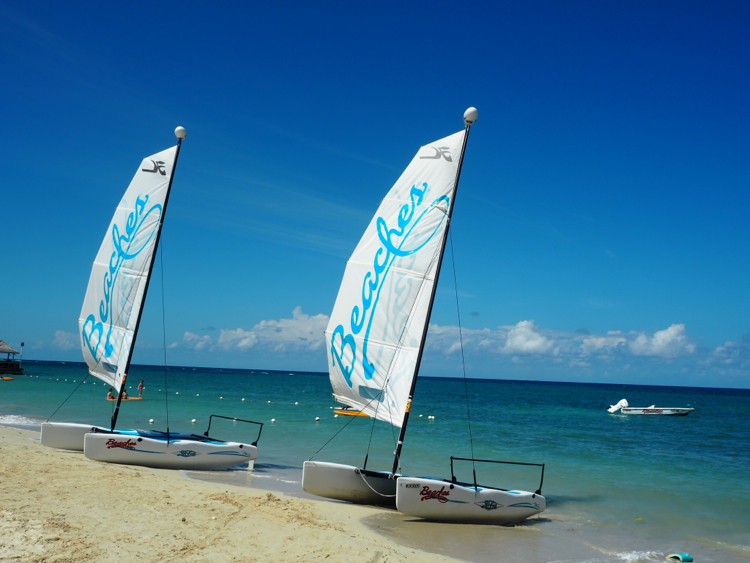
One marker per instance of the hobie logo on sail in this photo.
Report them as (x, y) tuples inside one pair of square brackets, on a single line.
[(403, 240), (126, 247), (440, 152), (158, 167)]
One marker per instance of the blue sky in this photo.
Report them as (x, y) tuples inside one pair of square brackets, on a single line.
[(601, 228)]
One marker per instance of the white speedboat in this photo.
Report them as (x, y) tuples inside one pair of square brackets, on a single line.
[(624, 408)]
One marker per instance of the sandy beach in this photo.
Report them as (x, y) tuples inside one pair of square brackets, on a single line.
[(59, 506)]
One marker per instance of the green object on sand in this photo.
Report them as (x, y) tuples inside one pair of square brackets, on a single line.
[(685, 557)]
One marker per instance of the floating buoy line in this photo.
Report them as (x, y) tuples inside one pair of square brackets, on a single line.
[(241, 399)]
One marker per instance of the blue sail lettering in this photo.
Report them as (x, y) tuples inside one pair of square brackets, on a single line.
[(95, 327), (125, 249), (393, 241), (338, 355)]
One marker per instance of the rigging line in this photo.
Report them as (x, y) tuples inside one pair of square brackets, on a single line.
[(93, 399), (407, 324), (351, 419), (463, 360), (129, 299), (93, 395), (372, 427), (68, 397), (348, 422), (390, 365), (164, 335), (364, 480)]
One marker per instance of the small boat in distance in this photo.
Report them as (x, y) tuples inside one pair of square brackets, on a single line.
[(624, 408)]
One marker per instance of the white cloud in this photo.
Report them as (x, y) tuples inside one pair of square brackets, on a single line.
[(525, 339), (668, 343), (66, 340), (197, 342), (593, 344), (301, 332), (733, 353), (448, 340), (240, 339)]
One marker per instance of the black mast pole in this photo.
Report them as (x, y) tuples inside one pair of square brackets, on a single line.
[(469, 119), (181, 134)]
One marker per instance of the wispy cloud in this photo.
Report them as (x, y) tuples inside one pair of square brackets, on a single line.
[(733, 353), (528, 339), (65, 340), (331, 149), (523, 342), (300, 333), (283, 215)]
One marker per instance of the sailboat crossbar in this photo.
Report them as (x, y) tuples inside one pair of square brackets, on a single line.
[(210, 419), (453, 475)]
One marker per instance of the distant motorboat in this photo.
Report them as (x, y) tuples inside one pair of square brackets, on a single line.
[(625, 408)]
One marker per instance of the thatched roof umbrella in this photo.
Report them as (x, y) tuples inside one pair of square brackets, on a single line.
[(5, 349)]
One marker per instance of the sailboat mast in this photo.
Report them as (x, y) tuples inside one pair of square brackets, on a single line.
[(470, 117), (181, 134)]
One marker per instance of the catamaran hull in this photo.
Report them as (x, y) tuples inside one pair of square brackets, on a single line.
[(70, 435), (348, 483), (163, 454), (443, 501), (65, 435)]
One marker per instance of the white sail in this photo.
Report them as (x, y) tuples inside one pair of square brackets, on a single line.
[(382, 307), (119, 276)]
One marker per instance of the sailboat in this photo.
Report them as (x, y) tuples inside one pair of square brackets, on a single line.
[(377, 332), (109, 323)]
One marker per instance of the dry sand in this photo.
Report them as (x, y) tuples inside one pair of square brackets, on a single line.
[(59, 506)]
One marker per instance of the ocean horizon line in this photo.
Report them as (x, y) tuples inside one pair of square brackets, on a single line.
[(432, 377)]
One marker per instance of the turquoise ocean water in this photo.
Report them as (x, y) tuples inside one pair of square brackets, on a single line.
[(619, 488)]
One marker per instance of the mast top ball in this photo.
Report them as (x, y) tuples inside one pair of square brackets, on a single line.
[(180, 132), (470, 116)]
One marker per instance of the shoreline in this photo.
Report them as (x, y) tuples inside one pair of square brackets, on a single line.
[(59, 506), (604, 508)]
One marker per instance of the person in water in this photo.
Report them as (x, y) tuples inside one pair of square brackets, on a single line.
[(140, 390), (109, 394)]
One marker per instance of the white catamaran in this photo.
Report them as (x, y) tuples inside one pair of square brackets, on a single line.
[(109, 323), (377, 332)]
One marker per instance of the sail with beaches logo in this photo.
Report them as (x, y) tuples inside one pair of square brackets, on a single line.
[(375, 330), (118, 280)]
